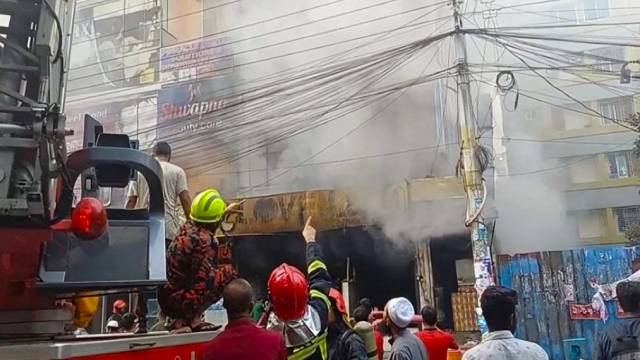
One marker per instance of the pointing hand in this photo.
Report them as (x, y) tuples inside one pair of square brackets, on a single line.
[(309, 233)]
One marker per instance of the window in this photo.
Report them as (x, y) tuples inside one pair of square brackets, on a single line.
[(596, 9), (626, 217), (622, 164), (618, 165), (615, 110)]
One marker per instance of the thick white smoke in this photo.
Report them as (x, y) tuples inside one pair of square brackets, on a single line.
[(397, 142)]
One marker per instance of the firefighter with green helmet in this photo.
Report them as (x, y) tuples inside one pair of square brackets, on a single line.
[(195, 277)]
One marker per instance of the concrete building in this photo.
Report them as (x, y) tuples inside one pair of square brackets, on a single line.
[(579, 149)]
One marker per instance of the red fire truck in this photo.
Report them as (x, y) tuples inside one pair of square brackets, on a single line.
[(50, 249)]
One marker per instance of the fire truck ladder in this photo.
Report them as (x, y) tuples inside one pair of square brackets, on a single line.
[(40, 261)]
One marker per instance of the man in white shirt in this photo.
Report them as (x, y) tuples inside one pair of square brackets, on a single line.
[(499, 310), (174, 187)]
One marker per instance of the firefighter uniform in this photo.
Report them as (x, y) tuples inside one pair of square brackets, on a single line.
[(304, 324)]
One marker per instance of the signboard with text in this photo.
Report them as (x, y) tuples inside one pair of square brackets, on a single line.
[(582, 312), (192, 107), (199, 59)]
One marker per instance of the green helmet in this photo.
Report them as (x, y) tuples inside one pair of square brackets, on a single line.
[(207, 207)]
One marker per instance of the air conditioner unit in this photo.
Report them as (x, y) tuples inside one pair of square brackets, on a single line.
[(529, 115)]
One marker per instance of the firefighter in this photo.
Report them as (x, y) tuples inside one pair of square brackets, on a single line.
[(302, 307), (344, 342), (119, 309), (195, 274)]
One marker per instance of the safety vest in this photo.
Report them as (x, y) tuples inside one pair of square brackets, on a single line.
[(316, 348)]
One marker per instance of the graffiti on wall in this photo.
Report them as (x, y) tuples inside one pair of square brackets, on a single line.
[(542, 281)]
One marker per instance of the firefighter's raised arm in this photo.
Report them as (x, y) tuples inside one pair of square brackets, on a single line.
[(318, 275)]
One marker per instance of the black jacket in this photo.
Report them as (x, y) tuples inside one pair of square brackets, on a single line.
[(319, 287), (345, 344)]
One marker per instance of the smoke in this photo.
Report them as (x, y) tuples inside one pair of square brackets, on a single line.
[(531, 203), (398, 137)]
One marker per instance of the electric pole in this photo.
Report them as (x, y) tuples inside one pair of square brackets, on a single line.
[(471, 170)]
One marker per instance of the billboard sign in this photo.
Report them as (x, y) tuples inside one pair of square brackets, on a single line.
[(199, 59), (191, 107), (133, 117), (113, 52)]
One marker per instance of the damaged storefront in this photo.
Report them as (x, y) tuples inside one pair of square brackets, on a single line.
[(360, 258), (365, 257)]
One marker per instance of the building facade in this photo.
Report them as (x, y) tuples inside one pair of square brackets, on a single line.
[(586, 154), (145, 68)]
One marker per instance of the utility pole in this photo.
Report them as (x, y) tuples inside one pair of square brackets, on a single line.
[(471, 170)]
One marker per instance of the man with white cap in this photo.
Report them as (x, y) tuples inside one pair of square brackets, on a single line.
[(398, 314)]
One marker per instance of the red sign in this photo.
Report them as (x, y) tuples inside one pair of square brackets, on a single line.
[(184, 352), (583, 312)]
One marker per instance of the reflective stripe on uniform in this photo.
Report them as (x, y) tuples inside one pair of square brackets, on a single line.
[(316, 265), (310, 348), (319, 294)]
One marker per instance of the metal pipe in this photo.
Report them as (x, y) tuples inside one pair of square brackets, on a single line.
[(15, 130)]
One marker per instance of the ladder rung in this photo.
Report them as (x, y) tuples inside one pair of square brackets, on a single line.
[(21, 68), (15, 109)]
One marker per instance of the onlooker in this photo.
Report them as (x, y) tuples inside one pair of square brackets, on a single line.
[(161, 323), (635, 265), (499, 310), (621, 339), (373, 341), (138, 194), (242, 339), (174, 187), (129, 323), (113, 327), (436, 341), (119, 309), (344, 342), (397, 316), (256, 312)]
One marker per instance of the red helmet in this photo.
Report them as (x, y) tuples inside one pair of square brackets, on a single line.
[(119, 305), (338, 300), (289, 292)]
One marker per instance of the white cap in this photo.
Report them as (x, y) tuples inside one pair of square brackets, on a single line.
[(400, 312), (113, 324)]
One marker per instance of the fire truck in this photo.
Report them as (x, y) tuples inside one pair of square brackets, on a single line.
[(52, 248)]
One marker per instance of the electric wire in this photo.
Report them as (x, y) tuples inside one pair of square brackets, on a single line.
[(285, 29), (211, 73)]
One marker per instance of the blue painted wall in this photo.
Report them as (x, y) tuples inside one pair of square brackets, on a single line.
[(540, 279)]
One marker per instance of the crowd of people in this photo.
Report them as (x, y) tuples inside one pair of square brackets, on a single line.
[(305, 316)]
